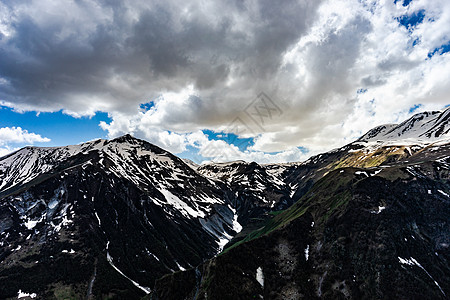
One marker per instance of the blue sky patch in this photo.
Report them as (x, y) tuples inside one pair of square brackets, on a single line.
[(361, 91), (230, 138), (304, 150), (62, 129), (192, 153), (405, 2), (441, 50), (412, 20), (147, 106), (416, 41), (415, 107)]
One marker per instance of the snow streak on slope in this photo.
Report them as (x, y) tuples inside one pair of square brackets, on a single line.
[(111, 262)]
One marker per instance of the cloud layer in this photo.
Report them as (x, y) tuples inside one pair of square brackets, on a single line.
[(16, 135), (333, 68)]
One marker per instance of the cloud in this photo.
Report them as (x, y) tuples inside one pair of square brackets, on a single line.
[(201, 64), (15, 135), (6, 150), (348, 47), (230, 153), (221, 151), (87, 56)]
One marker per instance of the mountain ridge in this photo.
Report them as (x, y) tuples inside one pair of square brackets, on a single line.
[(423, 127), (126, 212)]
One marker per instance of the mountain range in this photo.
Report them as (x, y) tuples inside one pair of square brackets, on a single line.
[(125, 219)]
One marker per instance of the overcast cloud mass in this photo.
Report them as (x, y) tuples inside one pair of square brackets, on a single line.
[(334, 69)]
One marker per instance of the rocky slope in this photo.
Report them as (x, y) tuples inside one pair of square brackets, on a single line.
[(357, 234)]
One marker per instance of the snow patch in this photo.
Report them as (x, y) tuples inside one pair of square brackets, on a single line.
[(354, 150), (151, 254), (222, 242), (180, 267), (30, 224), (361, 173), (181, 206), (443, 193), (236, 226), (260, 276), (409, 150), (380, 209), (375, 173), (21, 294), (307, 253), (53, 203), (98, 219)]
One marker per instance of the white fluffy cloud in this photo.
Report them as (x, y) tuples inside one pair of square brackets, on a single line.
[(15, 135), (334, 69), (6, 150), (220, 151)]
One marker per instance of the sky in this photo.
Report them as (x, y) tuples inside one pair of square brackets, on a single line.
[(255, 80)]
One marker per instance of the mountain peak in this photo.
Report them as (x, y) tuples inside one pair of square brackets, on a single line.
[(429, 126), (126, 138)]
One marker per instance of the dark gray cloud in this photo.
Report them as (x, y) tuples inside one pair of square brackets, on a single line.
[(203, 62), (119, 52)]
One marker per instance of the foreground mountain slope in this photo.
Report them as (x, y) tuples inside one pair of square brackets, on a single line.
[(106, 220), (358, 233)]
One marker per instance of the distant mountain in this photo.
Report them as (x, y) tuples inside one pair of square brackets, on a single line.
[(190, 163), (422, 134), (422, 127), (257, 189)]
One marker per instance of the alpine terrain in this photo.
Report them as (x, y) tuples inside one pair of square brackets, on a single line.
[(124, 219)]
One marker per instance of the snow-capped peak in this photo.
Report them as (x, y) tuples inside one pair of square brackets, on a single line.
[(27, 163), (423, 127)]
